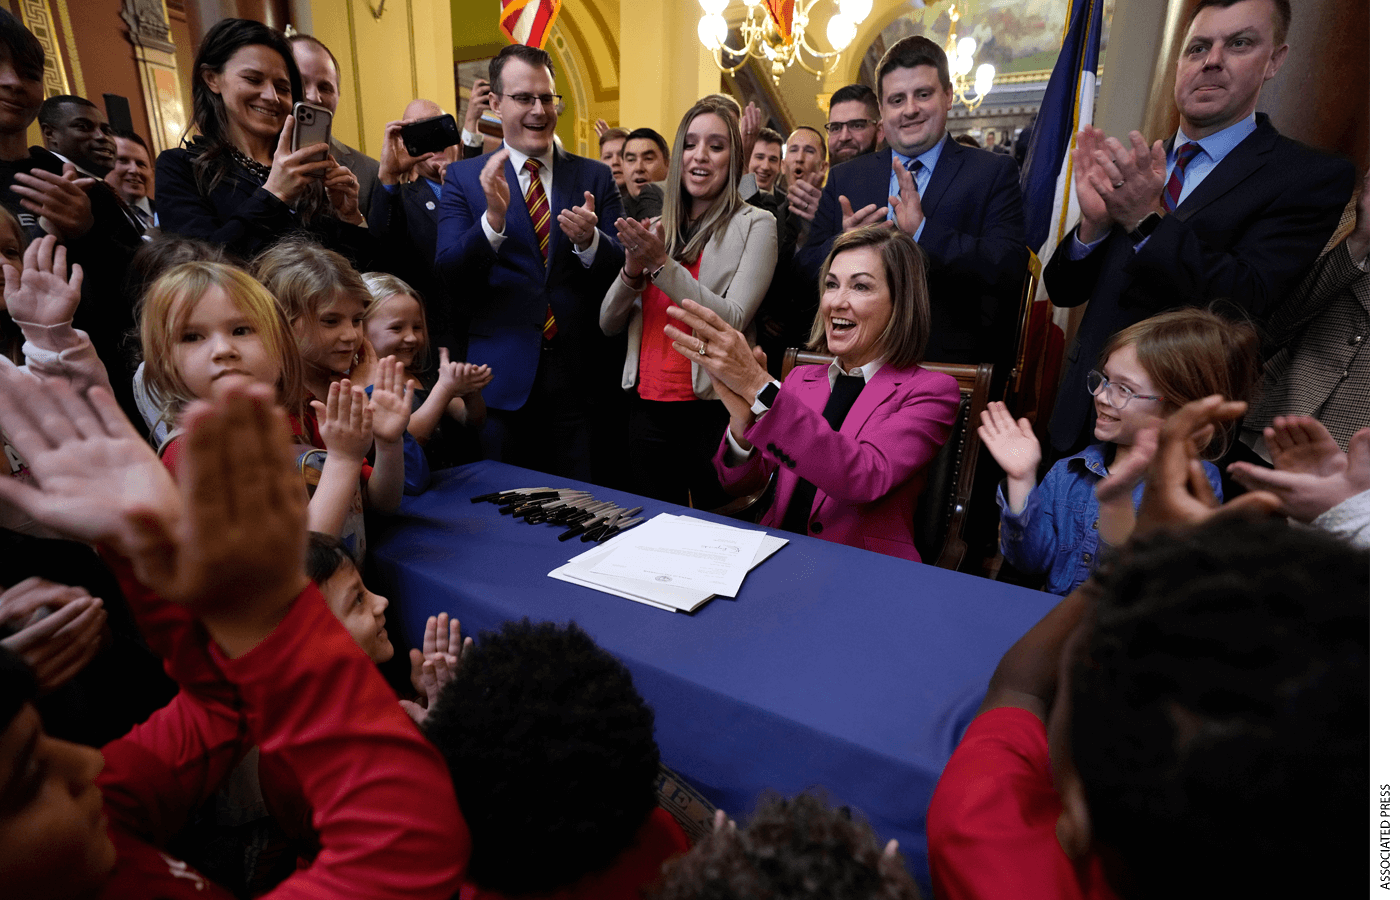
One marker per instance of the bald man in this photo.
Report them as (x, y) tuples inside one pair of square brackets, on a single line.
[(407, 220)]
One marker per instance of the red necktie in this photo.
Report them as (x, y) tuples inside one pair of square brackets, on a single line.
[(538, 205), (1171, 194)]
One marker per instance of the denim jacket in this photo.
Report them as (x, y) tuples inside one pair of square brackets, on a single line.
[(1058, 531)]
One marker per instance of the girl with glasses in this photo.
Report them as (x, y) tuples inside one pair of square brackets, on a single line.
[(1147, 372)]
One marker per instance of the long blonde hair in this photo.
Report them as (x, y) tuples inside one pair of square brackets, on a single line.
[(382, 286), (675, 208), (167, 307)]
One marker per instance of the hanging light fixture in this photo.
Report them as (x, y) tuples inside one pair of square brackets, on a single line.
[(776, 31), (969, 91)]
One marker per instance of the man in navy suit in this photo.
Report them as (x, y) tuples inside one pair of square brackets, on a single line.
[(527, 240), (1232, 211), (961, 205)]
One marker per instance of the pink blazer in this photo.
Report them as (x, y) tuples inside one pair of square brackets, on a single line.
[(869, 474)]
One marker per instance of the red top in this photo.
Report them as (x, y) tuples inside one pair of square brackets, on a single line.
[(991, 823), (381, 796), (662, 373), (659, 839)]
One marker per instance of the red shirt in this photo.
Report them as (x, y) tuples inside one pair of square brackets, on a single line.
[(991, 823), (662, 373), (659, 839)]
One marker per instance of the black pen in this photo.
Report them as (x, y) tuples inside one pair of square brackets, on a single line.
[(620, 527)]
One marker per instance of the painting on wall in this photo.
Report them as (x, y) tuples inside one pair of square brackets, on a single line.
[(1020, 37)]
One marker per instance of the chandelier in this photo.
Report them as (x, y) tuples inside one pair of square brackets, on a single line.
[(970, 92), (776, 31)]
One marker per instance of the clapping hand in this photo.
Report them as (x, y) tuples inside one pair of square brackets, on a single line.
[(1094, 218), (644, 245), (43, 293), (579, 222), (1177, 491), (908, 210), (497, 190), (62, 628), (393, 404), (1016, 449), (433, 667), (803, 198), (60, 201), (461, 378), (1311, 474), (1130, 181), (345, 420), (866, 215)]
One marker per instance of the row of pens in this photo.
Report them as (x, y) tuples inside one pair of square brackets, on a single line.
[(582, 515)]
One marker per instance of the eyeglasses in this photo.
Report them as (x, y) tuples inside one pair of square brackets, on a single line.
[(1118, 395), (853, 125), (547, 100)]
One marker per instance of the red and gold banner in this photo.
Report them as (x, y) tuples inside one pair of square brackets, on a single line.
[(528, 21)]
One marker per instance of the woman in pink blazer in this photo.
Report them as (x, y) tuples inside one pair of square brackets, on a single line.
[(857, 481)]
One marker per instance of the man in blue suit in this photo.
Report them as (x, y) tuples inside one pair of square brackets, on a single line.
[(527, 241), (961, 205)]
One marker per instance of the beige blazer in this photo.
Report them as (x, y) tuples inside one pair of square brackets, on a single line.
[(736, 267)]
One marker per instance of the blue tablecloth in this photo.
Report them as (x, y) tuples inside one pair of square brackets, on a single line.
[(834, 667)]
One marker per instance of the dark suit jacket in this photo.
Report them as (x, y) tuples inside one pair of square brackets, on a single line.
[(366, 169), (406, 221), (505, 293), (974, 237), (1246, 233)]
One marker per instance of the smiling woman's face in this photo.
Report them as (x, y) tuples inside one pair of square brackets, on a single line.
[(856, 306), (257, 93)]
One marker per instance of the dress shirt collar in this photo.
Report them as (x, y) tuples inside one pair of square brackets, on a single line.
[(929, 157), (1216, 146), (867, 371), (517, 162), (81, 171)]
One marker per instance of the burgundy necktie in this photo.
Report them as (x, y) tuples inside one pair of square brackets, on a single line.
[(1171, 194), (538, 205)]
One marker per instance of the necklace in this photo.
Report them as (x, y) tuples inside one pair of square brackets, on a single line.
[(255, 168)]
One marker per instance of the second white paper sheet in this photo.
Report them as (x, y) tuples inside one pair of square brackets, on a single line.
[(687, 553)]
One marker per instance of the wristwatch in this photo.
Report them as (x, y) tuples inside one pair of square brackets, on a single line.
[(1143, 230), (765, 399)]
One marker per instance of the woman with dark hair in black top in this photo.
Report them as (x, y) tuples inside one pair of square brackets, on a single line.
[(240, 184)]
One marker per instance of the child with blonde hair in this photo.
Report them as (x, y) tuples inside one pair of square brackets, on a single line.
[(396, 326), (1147, 371), (324, 300), (206, 326)]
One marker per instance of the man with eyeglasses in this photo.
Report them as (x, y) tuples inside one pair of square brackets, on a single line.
[(527, 239), (853, 124), (962, 207)]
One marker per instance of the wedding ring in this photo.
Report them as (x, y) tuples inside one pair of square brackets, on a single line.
[(1117, 185), (702, 348)]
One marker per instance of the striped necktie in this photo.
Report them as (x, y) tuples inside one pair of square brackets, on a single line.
[(538, 205), (1171, 194)]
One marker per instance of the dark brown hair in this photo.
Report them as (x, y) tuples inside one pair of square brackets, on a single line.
[(912, 52)]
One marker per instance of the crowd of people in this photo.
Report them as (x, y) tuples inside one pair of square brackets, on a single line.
[(221, 365)]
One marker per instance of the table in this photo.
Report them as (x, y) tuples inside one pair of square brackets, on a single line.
[(834, 667)]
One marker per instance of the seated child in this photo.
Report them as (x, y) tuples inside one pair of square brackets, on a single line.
[(551, 750), (1147, 371), (396, 326), (1209, 679), (798, 849)]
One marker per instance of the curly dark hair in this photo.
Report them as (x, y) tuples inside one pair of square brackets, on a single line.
[(798, 849), (1219, 709), (551, 751)]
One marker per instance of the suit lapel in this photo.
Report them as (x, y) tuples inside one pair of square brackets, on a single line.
[(1231, 171), (563, 193), (875, 392), (950, 160)]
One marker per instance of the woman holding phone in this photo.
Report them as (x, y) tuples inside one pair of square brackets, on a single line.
[(241, 184), (708, 246)]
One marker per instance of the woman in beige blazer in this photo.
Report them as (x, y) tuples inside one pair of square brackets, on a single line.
[(708, 246)]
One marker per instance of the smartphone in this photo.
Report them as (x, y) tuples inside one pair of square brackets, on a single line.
[(311, 124), (431, 135)]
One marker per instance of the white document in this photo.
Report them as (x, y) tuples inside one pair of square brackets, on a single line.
[(663, 596), (687, 553)]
